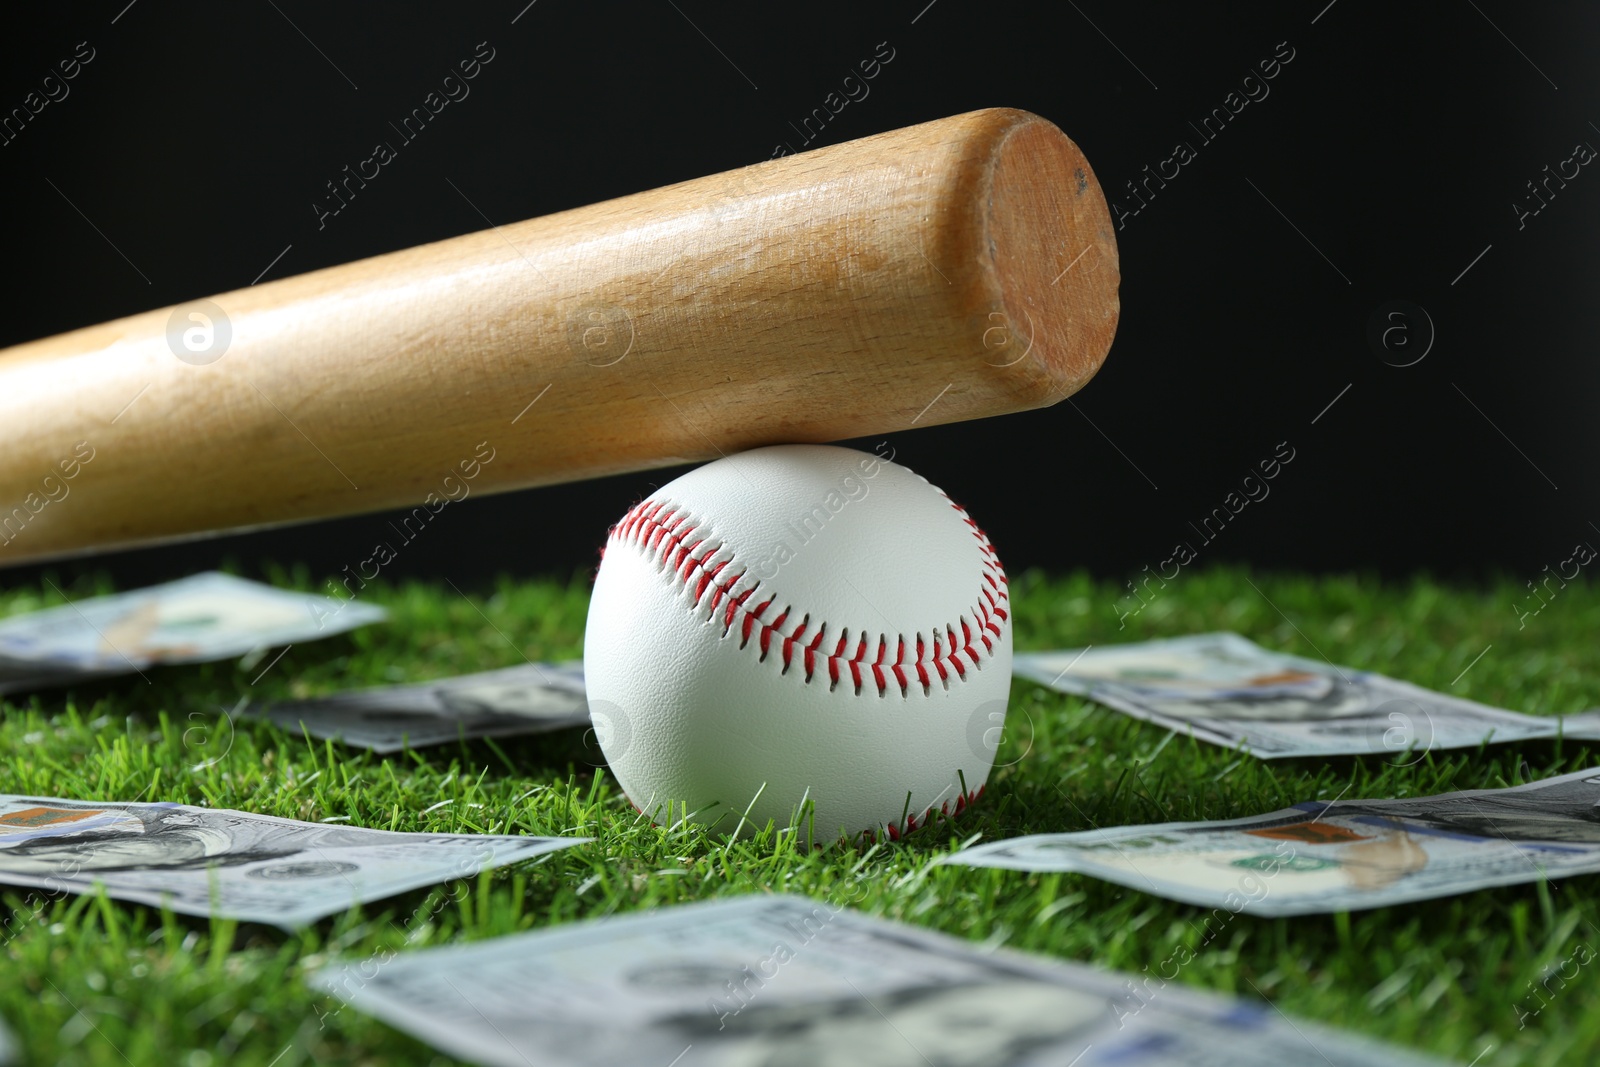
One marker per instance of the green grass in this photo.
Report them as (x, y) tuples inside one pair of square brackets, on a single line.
[(86, 980)]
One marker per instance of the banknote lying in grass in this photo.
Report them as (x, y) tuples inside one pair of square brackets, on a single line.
[(783, 981), (531, 698), (230, 864), (1339, 856), (208, 616), (1230, 691), (1583, 726)]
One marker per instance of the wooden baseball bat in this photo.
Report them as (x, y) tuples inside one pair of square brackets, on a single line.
[(952, 270)]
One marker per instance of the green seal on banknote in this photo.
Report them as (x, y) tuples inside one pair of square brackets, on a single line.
[(1271, 861)]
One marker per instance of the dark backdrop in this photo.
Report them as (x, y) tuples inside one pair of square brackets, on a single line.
[(1386, 163)]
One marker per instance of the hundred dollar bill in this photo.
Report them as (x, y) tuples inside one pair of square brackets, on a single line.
[(230, 864), (1340, 856), (208, 616), (1583, 726), (783, 981), (1230, 691), (531, 698)]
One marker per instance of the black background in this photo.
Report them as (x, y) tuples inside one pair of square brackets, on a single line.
[(190, 150)]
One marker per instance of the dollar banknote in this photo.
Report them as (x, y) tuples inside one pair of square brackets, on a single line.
[(1226, 689), (208, 616), (784, 981), (231, 864), (530, 698), (1335, 856), (1582, 726)]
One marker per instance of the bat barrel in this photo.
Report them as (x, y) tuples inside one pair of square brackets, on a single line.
[(953, 270)]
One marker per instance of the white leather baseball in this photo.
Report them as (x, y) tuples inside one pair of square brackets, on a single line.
[(799, 623)]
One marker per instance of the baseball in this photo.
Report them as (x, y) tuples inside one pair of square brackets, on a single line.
[(804, 634)]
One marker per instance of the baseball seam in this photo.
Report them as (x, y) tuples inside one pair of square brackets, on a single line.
[(699, 561), (895, 831)]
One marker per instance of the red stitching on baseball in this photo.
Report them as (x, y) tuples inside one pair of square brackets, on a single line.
[(661, 530), (895, 832)]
